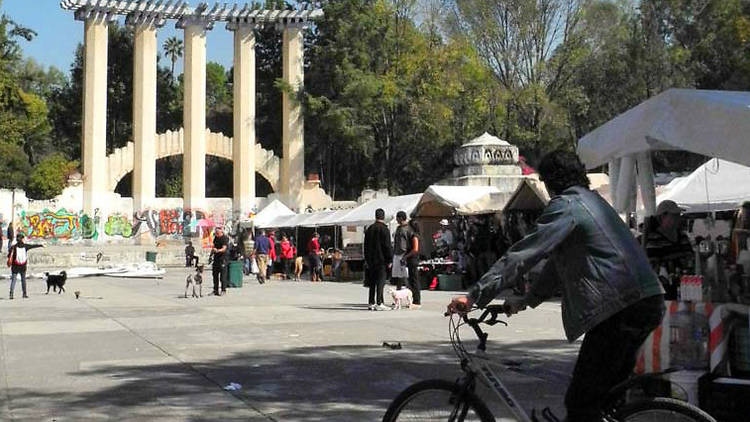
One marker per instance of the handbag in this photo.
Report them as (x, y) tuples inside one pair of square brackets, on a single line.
[(254, 267), (10, 256)]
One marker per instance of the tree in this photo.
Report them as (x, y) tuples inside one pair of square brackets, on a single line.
[(50, 176), (173, 48)]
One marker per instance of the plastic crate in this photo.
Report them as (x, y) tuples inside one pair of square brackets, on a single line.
[(450, 282), (726, 399)]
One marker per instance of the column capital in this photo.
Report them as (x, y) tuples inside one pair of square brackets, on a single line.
[(144, 20), (99, 15), (236, 25), (301, 25)]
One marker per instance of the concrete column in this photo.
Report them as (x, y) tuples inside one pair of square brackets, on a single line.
[(243, 145), (94, 120), (144, 116), (194, 116), (293, 161)]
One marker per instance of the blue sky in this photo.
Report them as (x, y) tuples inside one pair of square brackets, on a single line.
[(59, 33)]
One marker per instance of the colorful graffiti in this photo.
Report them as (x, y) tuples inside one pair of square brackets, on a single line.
[(59, 225), (176, 223)]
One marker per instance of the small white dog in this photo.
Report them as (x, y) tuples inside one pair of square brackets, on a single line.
[(401, 298)]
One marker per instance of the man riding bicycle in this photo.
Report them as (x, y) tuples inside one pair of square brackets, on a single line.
[(609, 291)]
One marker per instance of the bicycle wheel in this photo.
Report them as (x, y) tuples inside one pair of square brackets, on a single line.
[(437, 400), (662, 409)]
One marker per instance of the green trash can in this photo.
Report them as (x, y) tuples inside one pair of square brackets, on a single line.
[(151, 257), (235, 274)]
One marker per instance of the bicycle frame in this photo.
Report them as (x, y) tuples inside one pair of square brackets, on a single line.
[(483, 370)]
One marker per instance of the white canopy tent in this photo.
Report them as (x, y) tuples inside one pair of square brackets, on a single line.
[(443, 201), (717, 185), (365, 213), (272, 211), (712, 123)]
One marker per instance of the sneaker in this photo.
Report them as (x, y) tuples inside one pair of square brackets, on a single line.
[(382, 307), (25, 297), (370, 307)]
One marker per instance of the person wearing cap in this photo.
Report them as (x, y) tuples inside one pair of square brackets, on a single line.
[(379, 258), (668, 247), (17, 259), (609, 291), (443, 239)]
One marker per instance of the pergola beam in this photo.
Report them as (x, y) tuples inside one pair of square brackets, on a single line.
[(180, 10)]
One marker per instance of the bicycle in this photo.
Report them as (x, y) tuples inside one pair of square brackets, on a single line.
[(443, 400)]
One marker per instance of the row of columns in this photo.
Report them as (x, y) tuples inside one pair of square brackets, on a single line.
[(194, 115)]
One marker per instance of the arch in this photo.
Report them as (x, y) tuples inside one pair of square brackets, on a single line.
[(120, 161)]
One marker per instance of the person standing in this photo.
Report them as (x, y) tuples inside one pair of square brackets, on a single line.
[(219, 267), (401, 238), (17, 258), (190, 258), (378, 257), (271, 254), (313, 250), (262, 249), (412, 261), (287, 255), (10, 234)]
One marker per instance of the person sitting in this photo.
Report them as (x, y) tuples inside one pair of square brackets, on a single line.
[(190, 258)]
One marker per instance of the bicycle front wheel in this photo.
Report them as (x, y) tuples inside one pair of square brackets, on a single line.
[(660, 410), (437, 400)]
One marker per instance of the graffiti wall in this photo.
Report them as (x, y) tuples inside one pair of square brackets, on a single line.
[(171, 223)]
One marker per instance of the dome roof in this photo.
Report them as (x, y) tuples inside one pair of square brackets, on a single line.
[(486, 139), (486, 150)]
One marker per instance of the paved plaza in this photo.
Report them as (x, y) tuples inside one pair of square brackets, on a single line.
[(137, 350)]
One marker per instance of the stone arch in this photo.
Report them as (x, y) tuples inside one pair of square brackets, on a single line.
[(170, 143)]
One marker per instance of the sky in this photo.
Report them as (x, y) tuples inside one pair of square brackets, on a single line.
[(59, 33)]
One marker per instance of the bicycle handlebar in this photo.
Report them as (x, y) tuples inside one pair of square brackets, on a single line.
[(492, 311)]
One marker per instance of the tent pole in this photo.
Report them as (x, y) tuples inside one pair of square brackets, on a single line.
[(614, 177), (625, 183), (646, 181)]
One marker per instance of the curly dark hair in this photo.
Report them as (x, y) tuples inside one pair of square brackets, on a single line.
[(562, 169)]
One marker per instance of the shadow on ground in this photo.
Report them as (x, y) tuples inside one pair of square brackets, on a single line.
[(333, 383)]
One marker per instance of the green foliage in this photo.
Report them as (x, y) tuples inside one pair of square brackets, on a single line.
[(50, 176), (14, 166), (173, 48)]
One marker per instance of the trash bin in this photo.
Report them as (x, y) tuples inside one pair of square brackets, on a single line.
[(235, 274), (151, 257)]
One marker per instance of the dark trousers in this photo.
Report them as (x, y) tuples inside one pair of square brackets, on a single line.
[(377, 283), (219, 272), (607, 357), (413, 282), (191, 260), (287, 267)]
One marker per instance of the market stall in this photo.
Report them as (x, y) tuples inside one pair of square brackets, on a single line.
[(713, 291)]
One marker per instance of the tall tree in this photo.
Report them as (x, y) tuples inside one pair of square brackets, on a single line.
[(173, 48)]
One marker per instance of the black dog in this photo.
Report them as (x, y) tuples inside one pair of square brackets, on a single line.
[(56, 281)]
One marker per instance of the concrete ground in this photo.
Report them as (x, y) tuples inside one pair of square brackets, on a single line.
[(137, 350)]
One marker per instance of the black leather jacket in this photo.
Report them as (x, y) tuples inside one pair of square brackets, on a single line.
[(593, 257)]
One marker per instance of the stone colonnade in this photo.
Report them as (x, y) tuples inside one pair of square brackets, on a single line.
[(145, 17)]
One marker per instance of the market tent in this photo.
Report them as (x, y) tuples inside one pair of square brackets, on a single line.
[(444, 201), (712, 123), (717, 185), (365, 213), (527, 197), (272, 211)]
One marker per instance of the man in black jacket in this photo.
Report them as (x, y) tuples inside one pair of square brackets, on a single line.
[(378, 257)]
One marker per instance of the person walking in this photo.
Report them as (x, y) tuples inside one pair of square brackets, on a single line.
[(399, 271), (313, 251), (10, 234), (17, 259), (378, 258), (609, 291), (412, 261), (271, 254), (262, 248), (219, 266), (287, 255)]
